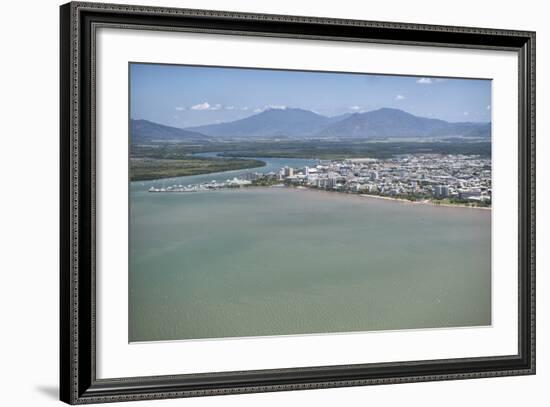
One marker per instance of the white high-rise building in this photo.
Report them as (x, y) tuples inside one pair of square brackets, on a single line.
[(441, 191)]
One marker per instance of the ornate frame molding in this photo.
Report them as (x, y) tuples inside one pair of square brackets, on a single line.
[(77, 246)]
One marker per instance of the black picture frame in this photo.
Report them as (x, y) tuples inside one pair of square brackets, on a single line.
[(78, 382)]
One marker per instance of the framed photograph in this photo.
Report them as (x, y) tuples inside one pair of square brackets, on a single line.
[(255, 203)]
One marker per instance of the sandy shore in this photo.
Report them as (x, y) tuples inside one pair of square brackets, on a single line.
[(425, 202), (359, 196), (389, 198)]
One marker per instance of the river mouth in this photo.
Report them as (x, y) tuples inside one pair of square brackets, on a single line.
[(272, 164)]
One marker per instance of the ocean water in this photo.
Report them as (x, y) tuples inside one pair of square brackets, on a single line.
[(280, 261)]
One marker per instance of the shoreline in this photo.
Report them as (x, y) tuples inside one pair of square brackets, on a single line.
[(425, 202), (336, 193), (389, 198), (429, 202), (402, 200)]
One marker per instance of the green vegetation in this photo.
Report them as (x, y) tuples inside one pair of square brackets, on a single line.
[(462, 202), (321, 149), (142, 169), (341, 149), (265, 182), (436, 201), (168, 151), (163, 160)]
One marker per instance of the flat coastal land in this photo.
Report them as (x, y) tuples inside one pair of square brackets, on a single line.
[(143, 169)]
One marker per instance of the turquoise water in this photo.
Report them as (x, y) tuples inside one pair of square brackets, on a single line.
[(272, 261)]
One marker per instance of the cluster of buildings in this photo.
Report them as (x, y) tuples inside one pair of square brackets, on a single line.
[(428, 176), (457, 178)]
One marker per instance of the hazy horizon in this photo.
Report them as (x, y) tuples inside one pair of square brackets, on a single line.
[(187, 96)]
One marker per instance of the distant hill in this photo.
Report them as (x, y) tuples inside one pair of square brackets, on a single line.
[(334, 119), (300, 123), (144, 131), (381, 123), (467, 129), (269, 123), (395, 123)]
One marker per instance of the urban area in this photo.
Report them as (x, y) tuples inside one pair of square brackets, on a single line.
[(452, 179)]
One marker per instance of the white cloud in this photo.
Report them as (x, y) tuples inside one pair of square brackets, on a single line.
[(244, 108), (488, 107), (466, 113), (206, 106), (267, 107), (229, 107), (201, 106), (181, 108), (424, 81), (429, 81), (355, 108), (399, 97)]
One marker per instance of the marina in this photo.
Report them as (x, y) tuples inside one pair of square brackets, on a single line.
[(206, 186)]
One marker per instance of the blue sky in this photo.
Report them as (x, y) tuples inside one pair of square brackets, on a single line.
[(183, 96)]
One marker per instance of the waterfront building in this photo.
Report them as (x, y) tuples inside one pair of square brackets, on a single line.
[(457, 176), (441, 191)]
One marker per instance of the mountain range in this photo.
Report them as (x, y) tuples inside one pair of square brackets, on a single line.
[(395, 123), (300, 123), (271, 123)]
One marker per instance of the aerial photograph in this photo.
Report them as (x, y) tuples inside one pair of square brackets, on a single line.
[(269, 202)]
